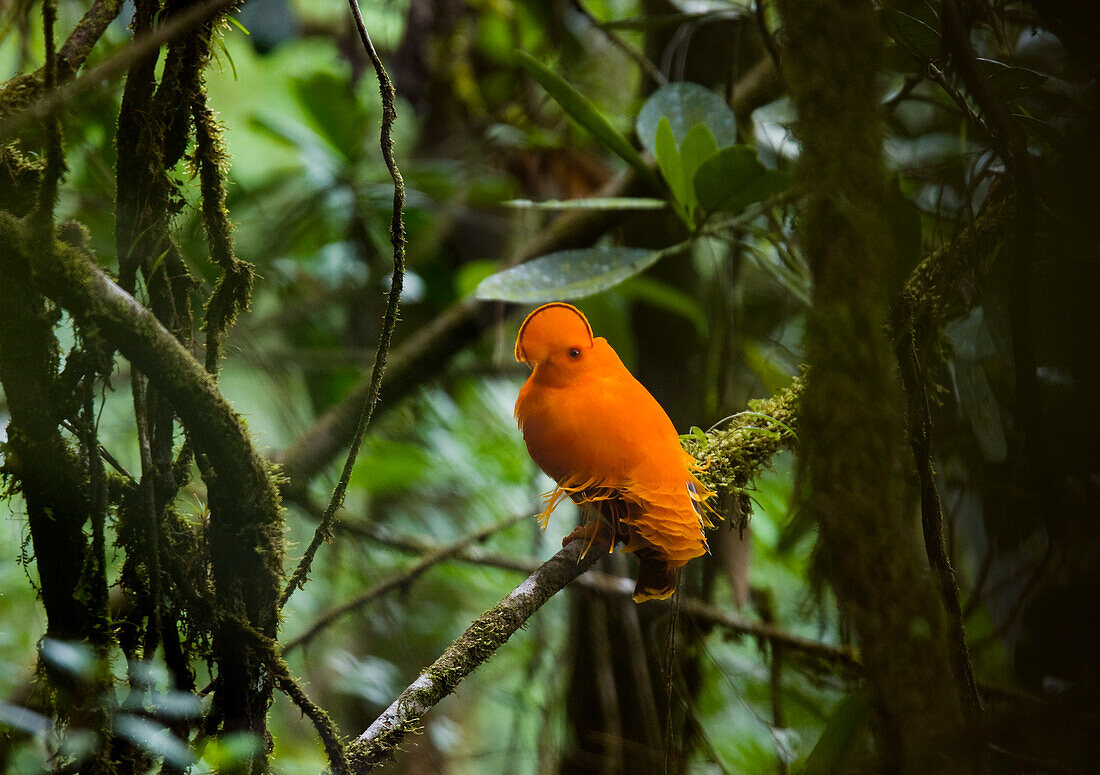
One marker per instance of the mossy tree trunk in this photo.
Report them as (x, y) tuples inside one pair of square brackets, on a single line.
[(852, 441)]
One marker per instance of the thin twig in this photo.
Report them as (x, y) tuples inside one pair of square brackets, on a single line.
[(640, 59), (620, 586), (284, 679), (396, 581), (389, 321), (920, 439)]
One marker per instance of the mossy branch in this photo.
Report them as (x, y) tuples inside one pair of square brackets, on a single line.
[(234, 288), (389, 319), (326, 728), (30, 107), (246, 528), (480, 641), (85, 35), (735, 454)]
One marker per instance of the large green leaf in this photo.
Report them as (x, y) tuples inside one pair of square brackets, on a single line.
[(698, 146), (668, 160), (1010, 82), (915, 36), (734, 178), (590, 203), (581, 110), (685, 105), (840, 738), (567, 274)]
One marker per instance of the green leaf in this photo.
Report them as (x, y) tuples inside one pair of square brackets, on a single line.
[(668, 161), (685, 105), (591, 203), (915, 36), (332, 112), (734, 178), (581, 110), (1008, 81), (698, 146), (1040, 129), (238, 25), (567, 274), (842, 734)]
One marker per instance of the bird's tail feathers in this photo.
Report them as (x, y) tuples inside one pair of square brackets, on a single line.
[(656, 580)]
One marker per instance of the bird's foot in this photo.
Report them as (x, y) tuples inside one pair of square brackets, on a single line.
[(595, 532)]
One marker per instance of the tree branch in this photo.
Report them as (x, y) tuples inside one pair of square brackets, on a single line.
[(85, 35), (475, 646), (246, 528)]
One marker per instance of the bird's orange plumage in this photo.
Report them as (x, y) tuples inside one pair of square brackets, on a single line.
[(593, 428)]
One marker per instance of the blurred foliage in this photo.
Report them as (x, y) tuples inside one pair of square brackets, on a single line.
[(509, 111)]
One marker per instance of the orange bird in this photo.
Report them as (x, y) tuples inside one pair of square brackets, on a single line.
[(594, 429)]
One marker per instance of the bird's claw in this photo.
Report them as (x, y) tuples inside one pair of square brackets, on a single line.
[(591, 533)]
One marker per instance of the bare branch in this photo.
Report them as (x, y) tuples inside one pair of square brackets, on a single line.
[(85, 35)]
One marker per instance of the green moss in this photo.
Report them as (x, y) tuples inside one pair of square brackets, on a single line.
[(736, 453)]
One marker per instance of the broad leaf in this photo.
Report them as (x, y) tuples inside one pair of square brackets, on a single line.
[(685, 105), (734, 178), (591, 203), (567, 274), (1009, 81), (841, 736), (581, 110), (912, 34), (698, 146), (668, 161)]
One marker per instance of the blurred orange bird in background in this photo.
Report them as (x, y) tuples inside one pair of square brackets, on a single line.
[(594, 429)]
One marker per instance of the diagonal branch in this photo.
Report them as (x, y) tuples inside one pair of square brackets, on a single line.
[(473, 647)]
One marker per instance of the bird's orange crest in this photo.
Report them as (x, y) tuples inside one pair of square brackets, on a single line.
[(549, 323)]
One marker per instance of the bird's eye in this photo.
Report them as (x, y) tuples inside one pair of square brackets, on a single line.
[(574, 353)]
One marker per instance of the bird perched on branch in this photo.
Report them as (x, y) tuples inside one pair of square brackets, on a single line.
[(594, 429)]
